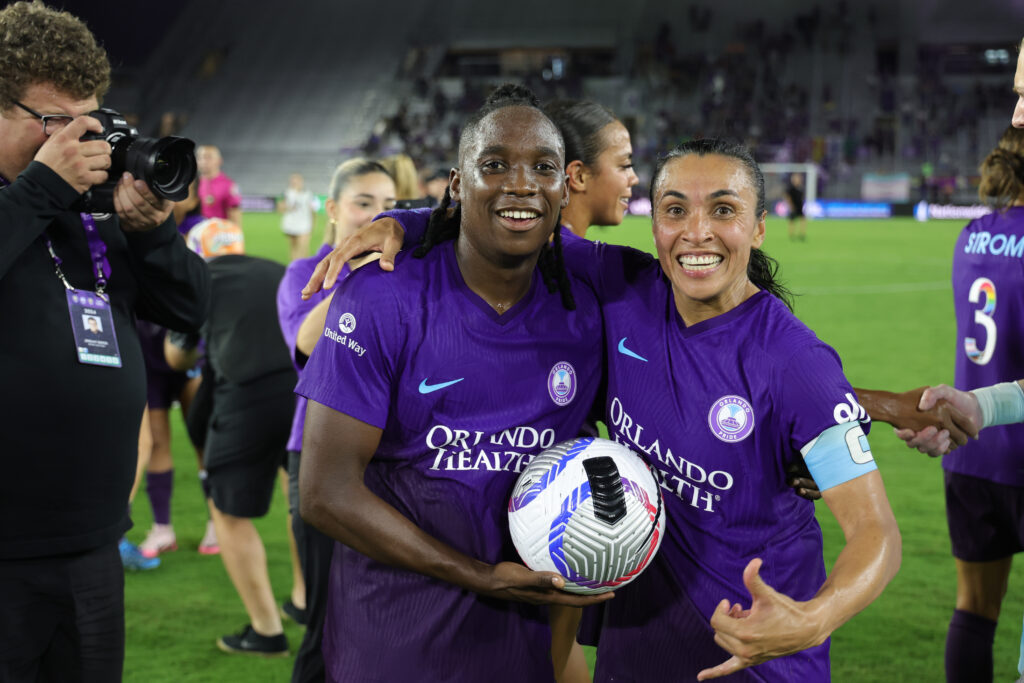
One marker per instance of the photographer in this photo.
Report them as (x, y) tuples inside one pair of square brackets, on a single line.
[(70, 411)]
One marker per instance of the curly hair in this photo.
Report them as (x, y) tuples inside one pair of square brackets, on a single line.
[(1002, 171), (43, 45)]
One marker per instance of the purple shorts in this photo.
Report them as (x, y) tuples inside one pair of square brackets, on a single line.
[(986, 519), (163, 388)]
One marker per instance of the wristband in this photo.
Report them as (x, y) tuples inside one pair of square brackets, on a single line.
[(1000, 404)]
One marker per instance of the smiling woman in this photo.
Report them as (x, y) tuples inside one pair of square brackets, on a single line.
[(709, 224), (516, 194), (598, 164), (437, 349), (747, 392)]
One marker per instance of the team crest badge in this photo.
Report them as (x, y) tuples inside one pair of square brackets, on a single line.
[(731, 419), (562, 383)]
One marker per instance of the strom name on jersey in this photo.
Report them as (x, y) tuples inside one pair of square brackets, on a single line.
[(985, 243)]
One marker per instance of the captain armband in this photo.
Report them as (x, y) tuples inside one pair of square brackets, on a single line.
[(838, 454)]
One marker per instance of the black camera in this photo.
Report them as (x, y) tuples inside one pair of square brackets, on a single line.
[(167, 165)]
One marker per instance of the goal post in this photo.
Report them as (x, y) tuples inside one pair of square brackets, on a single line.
[(776, 177)]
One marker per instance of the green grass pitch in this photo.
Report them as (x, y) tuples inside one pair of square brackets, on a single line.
[(878, 291)]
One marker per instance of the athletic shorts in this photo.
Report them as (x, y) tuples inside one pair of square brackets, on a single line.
[(986, 519), (244, 489), (246, 444), (62, 618), (163, 388)]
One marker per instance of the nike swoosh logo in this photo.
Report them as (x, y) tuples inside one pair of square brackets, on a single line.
[(626, 352), (430, 388)]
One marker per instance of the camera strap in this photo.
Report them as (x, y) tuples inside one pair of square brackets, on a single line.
[(97, 252), (92, 319)]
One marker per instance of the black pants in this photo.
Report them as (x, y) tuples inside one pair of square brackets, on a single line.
[(315, 550), (62, 618)]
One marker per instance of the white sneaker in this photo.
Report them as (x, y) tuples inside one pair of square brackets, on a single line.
[(160, 539), (209, 545)]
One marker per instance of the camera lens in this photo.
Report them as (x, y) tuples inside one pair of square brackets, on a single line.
[(167, 165)]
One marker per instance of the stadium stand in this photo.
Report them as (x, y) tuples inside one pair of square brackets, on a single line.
[(854, 87)]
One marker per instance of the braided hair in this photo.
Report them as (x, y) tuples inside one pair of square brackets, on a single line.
[(762, 269), (446, 220)]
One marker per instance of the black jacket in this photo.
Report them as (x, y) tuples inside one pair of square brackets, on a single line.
[(68, 431)]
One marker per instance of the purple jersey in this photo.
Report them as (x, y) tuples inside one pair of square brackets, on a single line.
[(465, 398), (738, 396), (291, 311), (190, 221), (989, 259)]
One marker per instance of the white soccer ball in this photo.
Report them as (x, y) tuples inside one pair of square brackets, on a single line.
[(589, 509)]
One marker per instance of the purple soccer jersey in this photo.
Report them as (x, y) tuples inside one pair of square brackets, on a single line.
[(988, 296), (291, 311), (465, 398), (188, 222), (719, 408)]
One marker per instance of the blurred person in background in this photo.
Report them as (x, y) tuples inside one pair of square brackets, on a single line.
[(164, 386), (984, 480), (795, 200), (66, 482), (298, 208), (249, 379), (186, 214), (218, 194), (132, 558), (407, 180), (359, 190), (434, 185), (1018, 88), (599, 164)]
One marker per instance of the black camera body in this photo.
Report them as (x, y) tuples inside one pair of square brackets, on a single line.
[(167, 165)]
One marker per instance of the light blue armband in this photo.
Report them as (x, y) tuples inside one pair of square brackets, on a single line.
[(1001, 404), (839, 454)]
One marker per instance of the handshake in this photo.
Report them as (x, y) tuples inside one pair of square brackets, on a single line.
[(971, 412)]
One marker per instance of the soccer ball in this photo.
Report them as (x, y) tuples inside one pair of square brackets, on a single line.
[(215, 237), (589, 509)]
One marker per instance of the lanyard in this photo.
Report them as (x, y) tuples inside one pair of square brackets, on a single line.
[(97, 252)]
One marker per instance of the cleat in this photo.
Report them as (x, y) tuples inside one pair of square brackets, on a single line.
[(290, 611), (247, 641), (132, 558), (160, 539), (209, 544)]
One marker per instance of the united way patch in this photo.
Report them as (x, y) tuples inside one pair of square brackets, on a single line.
[(347, 323), (731, 419), (562, 383)]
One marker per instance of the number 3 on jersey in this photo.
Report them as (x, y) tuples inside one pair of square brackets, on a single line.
[(983, 317)]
